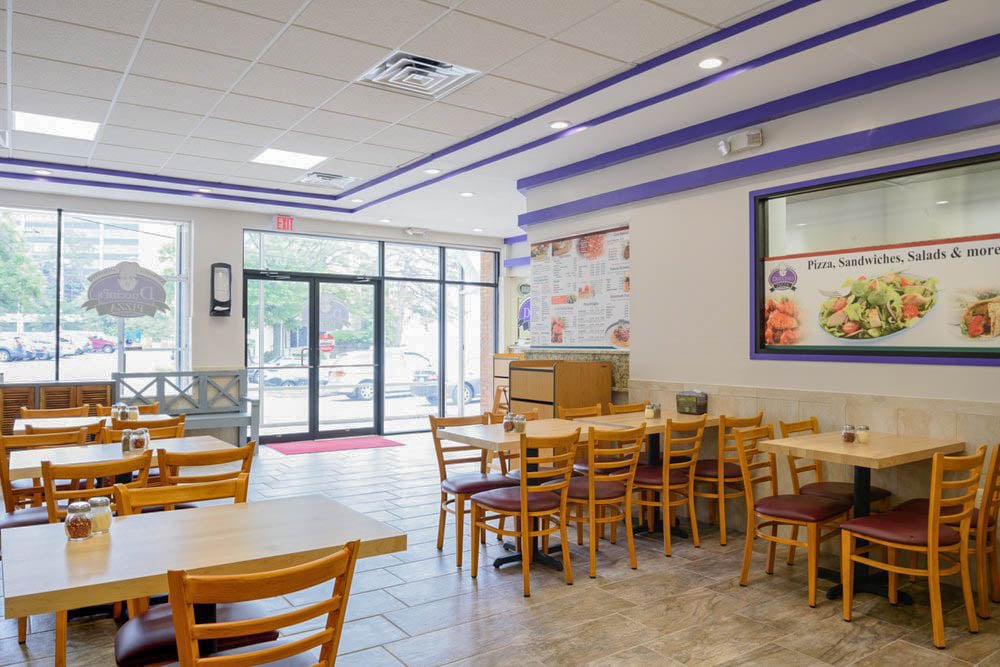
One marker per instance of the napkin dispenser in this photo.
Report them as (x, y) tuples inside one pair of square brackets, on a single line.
[(692, 402)]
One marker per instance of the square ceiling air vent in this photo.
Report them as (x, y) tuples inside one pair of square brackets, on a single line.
[(416, 75), (327, 180)]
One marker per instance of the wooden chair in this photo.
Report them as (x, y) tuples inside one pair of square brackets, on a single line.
[(132, 500), (107, 435), (53, 413), (176, 467), (575, 413), (85, 482), (606, 491), (457, 488), (166, 422), (626, 408), (529, 503), (187, 591), (144, 409), (23, 498), (766, 515), (670, 483), (506, 457), (92, 431), (941, 533), (727, 485), (983, 530)]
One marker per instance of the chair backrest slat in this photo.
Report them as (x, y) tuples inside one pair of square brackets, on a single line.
[(92, 432), (175, 467), (554, 467), (682, 443), (727, 440), (187, 590), (625, 408), (131, 500), (574, 413), (86, 480), (144, 409), (613, 455), (165, 422), (54, 413)]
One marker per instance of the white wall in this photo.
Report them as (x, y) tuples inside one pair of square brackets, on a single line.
[(690, 255), (217, 236)]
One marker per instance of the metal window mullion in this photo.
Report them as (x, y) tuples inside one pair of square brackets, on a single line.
[(58, 313)]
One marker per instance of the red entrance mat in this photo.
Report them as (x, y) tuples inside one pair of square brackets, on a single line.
[(338, 445)]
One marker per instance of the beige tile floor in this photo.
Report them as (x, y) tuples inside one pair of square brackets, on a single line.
[(417, 608)]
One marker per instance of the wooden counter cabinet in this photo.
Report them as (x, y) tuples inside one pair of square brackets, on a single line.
[(547, 385)]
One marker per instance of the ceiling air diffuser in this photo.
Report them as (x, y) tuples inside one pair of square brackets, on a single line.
[(415, 75)]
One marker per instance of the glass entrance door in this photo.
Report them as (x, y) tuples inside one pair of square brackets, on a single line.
[(311, 356)]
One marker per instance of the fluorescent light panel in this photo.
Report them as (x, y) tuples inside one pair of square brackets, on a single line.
[(55, 126), (278, 158)]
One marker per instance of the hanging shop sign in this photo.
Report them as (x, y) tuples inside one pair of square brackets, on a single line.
[(126, 290)]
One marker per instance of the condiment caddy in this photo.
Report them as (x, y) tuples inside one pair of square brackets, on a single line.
[(851, 434)]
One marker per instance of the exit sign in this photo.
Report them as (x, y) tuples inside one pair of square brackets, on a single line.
[(284, 223)]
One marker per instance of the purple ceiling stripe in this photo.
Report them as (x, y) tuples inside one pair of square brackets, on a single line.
[(515, 239), (934, 125), (708, 40), (855, 86), (798, 47), (120, 173), (135, 187), (517, 261)]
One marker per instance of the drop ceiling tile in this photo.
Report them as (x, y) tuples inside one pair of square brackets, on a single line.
[(360, 100), (326, 55), (197, 68), (210, 28), (412, 138), (349, 168), (268, 172), (340, 126), (65, 77), (237, 133), (220, 150), (210, 177), (558, 67), (49, 157), (45, 102), (279, 10), (124, 16), (70, 43), (201, 164), (546, 17), (398, 20), (129, 136), (471, 42), (45, 143), (311, 144), (381, 155), (500, 96), (150, 118), (632, 30), (457, 121), (168, 95), (718, 12), (259, 112), (285, 85), (131, 155)]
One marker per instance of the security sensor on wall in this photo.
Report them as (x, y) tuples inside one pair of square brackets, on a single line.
[(741, 142)]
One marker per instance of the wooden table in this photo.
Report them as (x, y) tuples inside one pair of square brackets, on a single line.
[(27, 463), (132, 560), (72, 423), (493, 438), (883, 450)]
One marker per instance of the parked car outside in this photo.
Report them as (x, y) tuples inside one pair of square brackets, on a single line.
[(296, 376), (101, 344), (40, 349), (426, 384), (352, 374), (12, 349), (72, 343)]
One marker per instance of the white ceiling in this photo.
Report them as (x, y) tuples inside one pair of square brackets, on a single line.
[(197, 88)]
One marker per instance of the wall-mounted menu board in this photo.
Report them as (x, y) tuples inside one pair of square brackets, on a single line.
[(580, 291), (901, 266)]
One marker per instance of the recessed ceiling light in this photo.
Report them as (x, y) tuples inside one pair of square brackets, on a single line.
[(800, 224), (432, 171), (204, 190), (55, 125), (386, 220), (477, 229), (712, 63), (466, 194), (42, 172), (357, 201), (941, 202), (559, 124), (288, 159)]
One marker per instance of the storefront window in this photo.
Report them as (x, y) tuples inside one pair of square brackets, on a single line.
[(309, 254)]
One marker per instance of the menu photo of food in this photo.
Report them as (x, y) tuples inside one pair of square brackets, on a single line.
[(619, 333), (539, 250), (585, 291), (557, 329), (781, 321), (560, 248), (979, 315), (590, 246), (877, 307)]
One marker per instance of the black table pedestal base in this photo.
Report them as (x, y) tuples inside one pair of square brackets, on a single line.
[(536, 556), (864, 582)]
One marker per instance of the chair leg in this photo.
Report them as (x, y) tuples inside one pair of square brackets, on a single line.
[(982, 577), (934, 588), (668, 520), (892, 557), (614, 533), (442, 517), (476, 531), (914, 562), (772, 548), (694, 518), (847, 571), (629, 536), (545, 538), (994, 574), (812, 552), (567, 566), (526, 557), (592, 527), (791, 547), (650, 512), (503, 520), (579, 525), (722, 514), (62, 633), (747, 550), (970, 606), (459, 528), (22, 629)]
